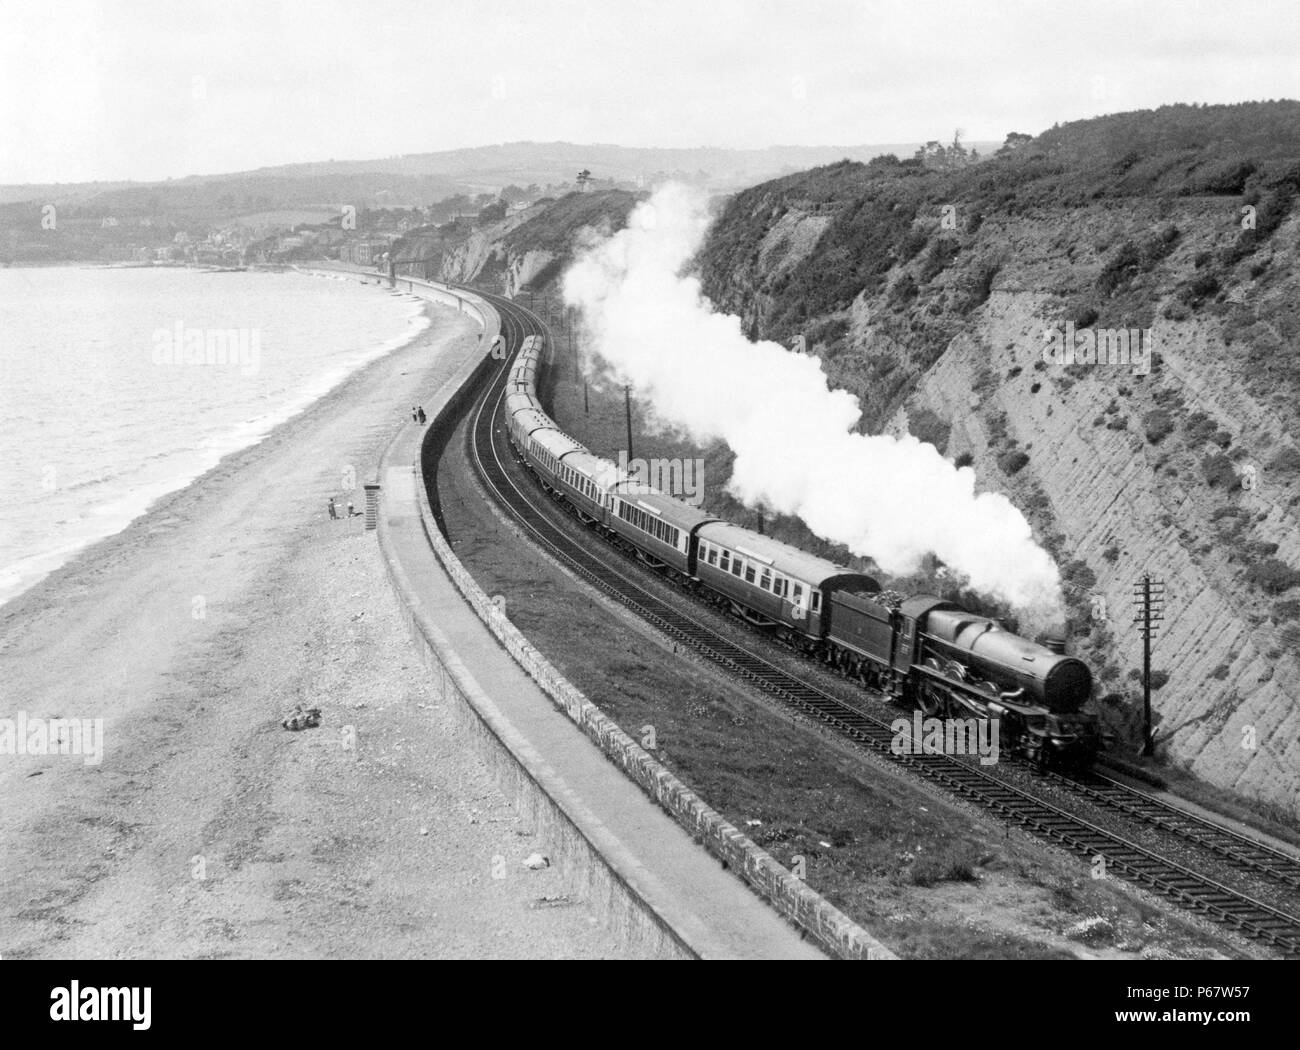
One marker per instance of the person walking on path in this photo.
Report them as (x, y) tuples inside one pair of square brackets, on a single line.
[(334, 510), (423, 417), (415, 416)]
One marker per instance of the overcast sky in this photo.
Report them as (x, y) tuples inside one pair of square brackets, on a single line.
[(144, 89)]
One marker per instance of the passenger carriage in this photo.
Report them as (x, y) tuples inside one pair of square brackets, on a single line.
[(545, 449), (525, 421), (657, 527), (586, 479), (770, 583)]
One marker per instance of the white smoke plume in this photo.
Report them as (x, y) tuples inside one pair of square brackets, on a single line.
[(891, 499)]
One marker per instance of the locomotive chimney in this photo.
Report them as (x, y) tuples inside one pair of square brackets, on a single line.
[(1056, 643)]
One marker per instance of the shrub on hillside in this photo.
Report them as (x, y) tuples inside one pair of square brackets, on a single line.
[(1196, 290), (1273, 576), (1287, 461), (904, 290), (1158, 424), (1077, 574), (1133, 259), (912, 243), (1012, 462), (981, 286), (1219, 471), (1285, 611), (829, 331), (941, 255), (1199, 428), (930, 428)]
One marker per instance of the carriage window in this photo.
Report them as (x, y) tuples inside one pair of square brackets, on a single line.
[(713, 556), (725, 563), (779, 585), (765, 581), (797, 594), (749, 574), (816, 600), (737, 567)]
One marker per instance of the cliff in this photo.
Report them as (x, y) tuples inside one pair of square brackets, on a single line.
[(932, 295), (524, 250)]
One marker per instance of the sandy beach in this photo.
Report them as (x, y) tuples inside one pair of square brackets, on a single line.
[(207, 830)]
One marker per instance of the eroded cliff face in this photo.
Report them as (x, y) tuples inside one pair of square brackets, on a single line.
[(487, 254), (529, 249), (1188, 473)]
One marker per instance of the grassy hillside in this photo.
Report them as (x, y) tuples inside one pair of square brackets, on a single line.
[(928, 294)]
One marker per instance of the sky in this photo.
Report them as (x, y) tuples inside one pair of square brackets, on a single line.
[(143, 89)]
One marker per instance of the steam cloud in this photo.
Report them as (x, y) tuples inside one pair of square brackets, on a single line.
[(891, 499)]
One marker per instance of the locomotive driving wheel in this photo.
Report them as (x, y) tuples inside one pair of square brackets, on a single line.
[(932, 698)]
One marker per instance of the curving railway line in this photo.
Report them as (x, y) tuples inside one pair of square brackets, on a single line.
[(621, 578)]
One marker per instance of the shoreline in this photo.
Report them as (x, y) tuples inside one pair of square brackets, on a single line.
[(295, 406), (208, 830)]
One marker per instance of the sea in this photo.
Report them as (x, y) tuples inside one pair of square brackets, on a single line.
[(120, 385)]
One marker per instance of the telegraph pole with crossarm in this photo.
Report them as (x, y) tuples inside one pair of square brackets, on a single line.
[(1149, 597)]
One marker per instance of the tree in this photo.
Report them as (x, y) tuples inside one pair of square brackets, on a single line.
[(584, 177), (1015, 140), (957, 156), (931, 154)]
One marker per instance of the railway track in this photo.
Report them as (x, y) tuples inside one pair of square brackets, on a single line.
[(1240, 850), (490, 451)]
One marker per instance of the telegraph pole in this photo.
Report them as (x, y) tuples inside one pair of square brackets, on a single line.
[(1149, 596), (627, 404)]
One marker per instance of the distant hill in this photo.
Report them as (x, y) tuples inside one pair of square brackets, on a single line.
[(521, 163), (422, 178), (95, 220)]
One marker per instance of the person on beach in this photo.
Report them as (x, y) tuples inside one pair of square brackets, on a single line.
[(423, 417), (334, 510), (415, 417), (352, 512)]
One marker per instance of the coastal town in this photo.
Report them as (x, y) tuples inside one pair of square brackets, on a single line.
[(347, 233), (212, 227)]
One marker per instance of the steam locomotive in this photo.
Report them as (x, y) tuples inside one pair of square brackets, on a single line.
[(921, 650)]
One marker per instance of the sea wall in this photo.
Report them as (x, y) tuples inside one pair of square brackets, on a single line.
[(519, 768)]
